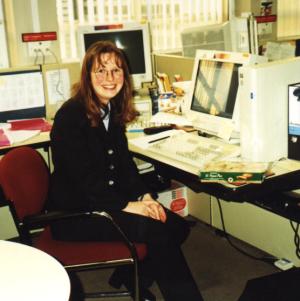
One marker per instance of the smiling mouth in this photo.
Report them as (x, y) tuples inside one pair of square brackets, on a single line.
[(109, 86)]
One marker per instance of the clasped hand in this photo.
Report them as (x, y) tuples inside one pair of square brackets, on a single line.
[(147, 207)]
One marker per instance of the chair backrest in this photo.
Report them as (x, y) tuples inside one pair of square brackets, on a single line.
[(24, 178)]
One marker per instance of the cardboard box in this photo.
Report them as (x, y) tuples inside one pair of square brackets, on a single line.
[(175, 198), (236, 173)]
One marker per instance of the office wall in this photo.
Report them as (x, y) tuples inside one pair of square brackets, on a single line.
[(288, 19), (3, 53), (173, 64), (199, 206), (267, 31), (21, 16), (287, 11), (253, 6), (7, 227), (258, 227)]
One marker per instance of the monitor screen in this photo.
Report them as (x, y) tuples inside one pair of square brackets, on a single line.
[(24, 94), (133, 38), (216, 87), (213, 104), (131, 42)]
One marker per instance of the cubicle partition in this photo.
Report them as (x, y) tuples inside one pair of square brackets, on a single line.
[(173, 65), (58, 80)]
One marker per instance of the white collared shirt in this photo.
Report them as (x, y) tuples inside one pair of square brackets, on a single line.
[(106, 118)]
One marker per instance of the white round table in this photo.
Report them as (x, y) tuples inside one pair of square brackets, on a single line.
[(29, 274)]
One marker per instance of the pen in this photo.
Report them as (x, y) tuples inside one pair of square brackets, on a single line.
[(158, 139)]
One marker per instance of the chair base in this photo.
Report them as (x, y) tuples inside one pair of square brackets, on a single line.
[(145, 294), (107, 294)]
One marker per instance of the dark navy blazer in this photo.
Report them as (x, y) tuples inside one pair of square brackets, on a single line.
[(93, 168)]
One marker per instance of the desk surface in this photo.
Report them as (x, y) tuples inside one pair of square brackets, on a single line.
[(286, 178), (279, 168), (29, 274), (38, 141)]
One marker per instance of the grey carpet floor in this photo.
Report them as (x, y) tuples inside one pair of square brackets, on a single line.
[(220, 270)]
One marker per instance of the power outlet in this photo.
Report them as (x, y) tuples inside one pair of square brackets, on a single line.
[(284, 264), (39, 48)]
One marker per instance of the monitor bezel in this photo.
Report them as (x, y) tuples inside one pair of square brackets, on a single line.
[(138, 79), (35, 111), (194, 116)]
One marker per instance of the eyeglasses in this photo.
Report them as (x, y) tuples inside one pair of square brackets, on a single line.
[(115, 73)]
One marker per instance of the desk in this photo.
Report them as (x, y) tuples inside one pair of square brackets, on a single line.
[(42, 140), (249, 209), (29, 274), (287, 177)]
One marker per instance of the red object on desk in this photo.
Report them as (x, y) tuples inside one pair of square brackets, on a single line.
[(31, 124), (3, 139)]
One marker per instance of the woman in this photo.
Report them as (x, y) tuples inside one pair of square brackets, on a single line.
[(94, 170)]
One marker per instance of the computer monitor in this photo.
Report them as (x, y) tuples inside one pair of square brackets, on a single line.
[(233, 35), (133, 38), (213, 102), (216, 37), (22, 91), (264, 91)]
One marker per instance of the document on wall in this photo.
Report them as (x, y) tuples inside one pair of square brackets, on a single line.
[(58, 84), (276, 51)]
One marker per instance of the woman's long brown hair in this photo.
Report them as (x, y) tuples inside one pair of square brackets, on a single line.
[(83, 91)]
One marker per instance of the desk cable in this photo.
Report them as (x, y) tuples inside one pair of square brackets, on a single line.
[(296, 237), (268, 259)]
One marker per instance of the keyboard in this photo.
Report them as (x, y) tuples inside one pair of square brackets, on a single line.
[(193, 149)]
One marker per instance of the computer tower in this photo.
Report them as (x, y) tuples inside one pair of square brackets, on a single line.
[(294, 122), (264, 108)]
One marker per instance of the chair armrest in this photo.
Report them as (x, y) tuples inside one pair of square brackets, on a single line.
[(125, 239), (41, 220), (44, 219)]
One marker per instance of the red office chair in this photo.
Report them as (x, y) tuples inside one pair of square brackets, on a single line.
[(24, 177)]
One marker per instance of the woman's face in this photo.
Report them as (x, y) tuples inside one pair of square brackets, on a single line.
[(107, 78)]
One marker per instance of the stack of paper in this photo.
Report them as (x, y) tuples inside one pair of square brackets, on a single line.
[(20, 136), (16, 131)]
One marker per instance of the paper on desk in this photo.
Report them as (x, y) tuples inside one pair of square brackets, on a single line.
[(285, 166), (20, 136), (4, 126), (163, 117), (4, 141), (143, 142)]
